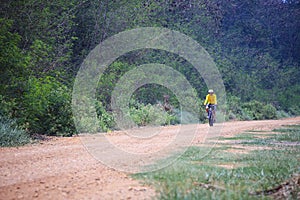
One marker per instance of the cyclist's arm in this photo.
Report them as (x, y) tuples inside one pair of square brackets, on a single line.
[(206, 100)]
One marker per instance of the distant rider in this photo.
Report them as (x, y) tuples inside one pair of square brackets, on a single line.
[(211, 100)]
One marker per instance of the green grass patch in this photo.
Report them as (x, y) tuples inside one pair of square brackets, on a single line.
[(259, 142), (291, 136), (244, 136), (288, 133), (284, 135), (195, 176), (294, 126), (257, 131)]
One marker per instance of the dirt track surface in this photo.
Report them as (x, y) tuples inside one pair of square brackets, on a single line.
[(62, 168)]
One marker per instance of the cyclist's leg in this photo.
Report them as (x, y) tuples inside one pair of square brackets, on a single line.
[(207, 110), (214, 113)]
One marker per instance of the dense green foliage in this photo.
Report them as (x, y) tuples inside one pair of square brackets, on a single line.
[(255, 45), (46, 107), (253, 110)]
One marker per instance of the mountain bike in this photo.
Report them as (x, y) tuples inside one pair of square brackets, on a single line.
[(211, 114)]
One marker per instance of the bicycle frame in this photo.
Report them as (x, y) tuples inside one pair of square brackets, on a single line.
[(211, 116)]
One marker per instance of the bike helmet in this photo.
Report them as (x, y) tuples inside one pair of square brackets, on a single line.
[(210, 91)]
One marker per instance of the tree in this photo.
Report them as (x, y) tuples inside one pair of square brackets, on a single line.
[(46, 29), (13, 61)]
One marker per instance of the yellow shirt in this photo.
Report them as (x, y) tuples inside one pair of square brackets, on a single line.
[(210, 98)]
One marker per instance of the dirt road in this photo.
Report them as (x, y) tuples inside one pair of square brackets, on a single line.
[(65, 168)]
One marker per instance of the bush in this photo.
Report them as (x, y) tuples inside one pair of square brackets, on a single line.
[(269, 112), (149, 114), (85, 116), (7, 107), (294, 110), (106, 120), (258, 111), (11, 134), (282, 114), (46, 108), (234, 108), (253, 110)]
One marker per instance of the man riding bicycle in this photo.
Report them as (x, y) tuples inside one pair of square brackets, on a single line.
[(211, 101)]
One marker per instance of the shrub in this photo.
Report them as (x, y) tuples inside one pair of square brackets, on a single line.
[(6, 107), (143, 115), (106, 119), (235, 110), (269, 112), (258, 111), (294, 110), (87, 121), (11, 134), (46, 108), (282, 114), (253, 110)]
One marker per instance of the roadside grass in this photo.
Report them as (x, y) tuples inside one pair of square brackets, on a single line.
[(257, 131), (292, 133), (250, 176), (244, 136), (286, 135)]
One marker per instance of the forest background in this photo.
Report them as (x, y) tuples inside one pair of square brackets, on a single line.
[(254, 43)]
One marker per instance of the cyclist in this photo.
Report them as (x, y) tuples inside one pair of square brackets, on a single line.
[(211, 100)]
